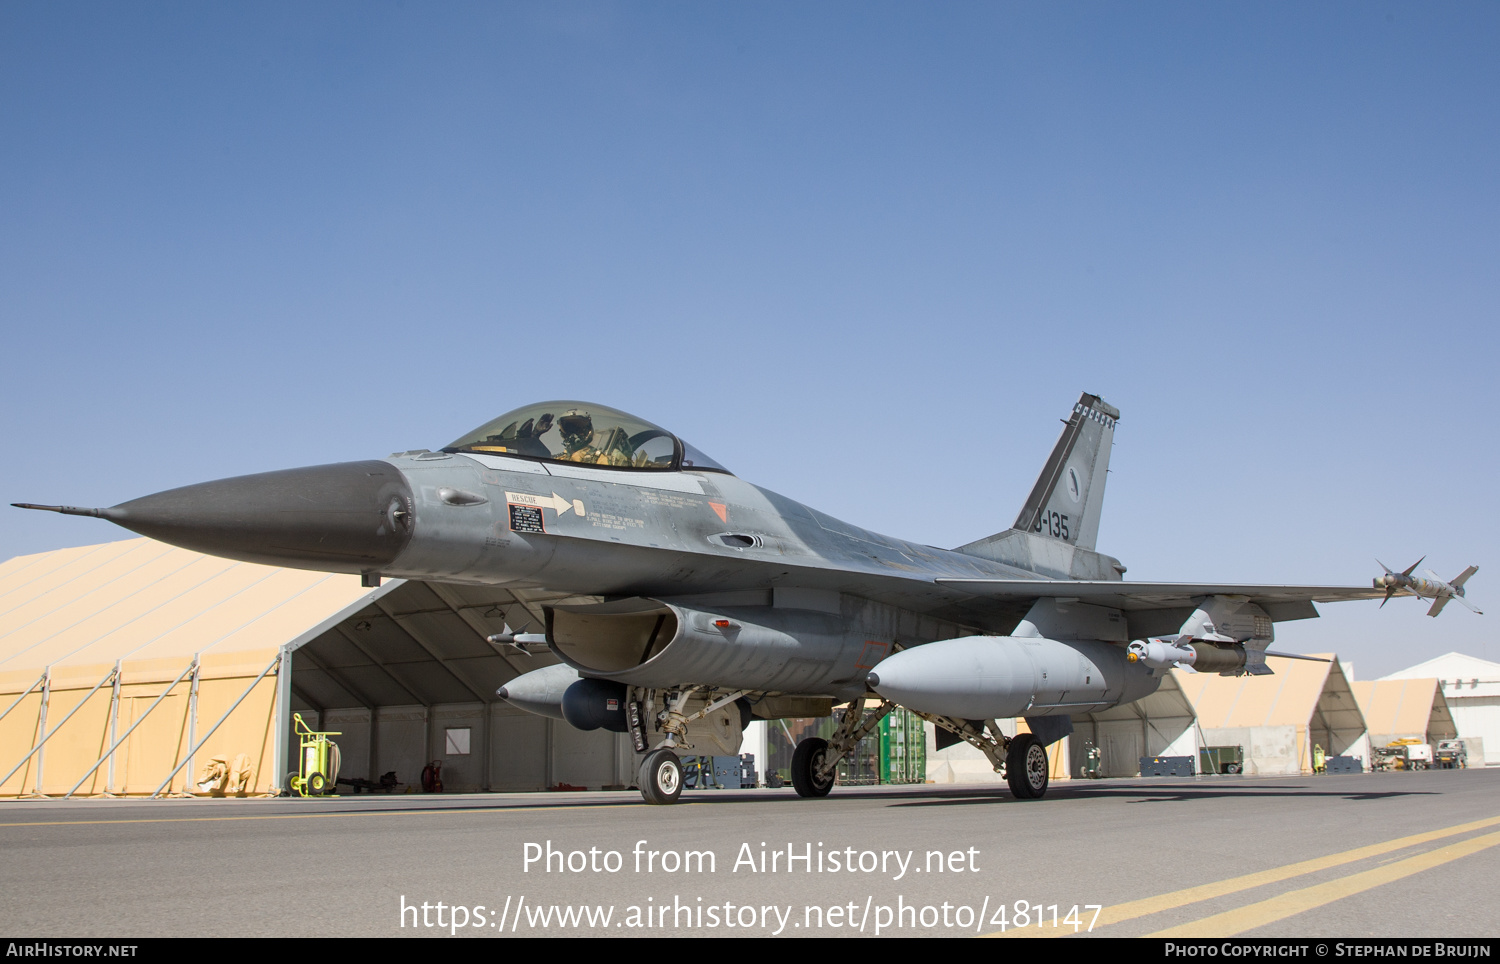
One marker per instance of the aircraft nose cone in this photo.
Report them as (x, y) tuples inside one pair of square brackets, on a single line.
[(346, 517)]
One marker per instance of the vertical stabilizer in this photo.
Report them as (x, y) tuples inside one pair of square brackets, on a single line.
[(1066, 501)]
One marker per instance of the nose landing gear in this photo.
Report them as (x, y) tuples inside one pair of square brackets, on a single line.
[(660, 777)]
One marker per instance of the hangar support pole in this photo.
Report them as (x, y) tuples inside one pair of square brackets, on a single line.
[(41, 730), (138, 721), (194, 748), (192, 718), (394, 677), (47, 736), (489, 732), (29, 690), (283, 706), (114, 726)]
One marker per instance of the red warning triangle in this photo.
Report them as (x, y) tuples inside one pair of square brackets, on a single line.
[(721, 510)]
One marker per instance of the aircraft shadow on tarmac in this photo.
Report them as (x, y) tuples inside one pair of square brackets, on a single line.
[(1166, 794), (909, 796)]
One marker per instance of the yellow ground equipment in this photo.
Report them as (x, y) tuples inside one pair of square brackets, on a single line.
[(318, 765), (1404, 754)]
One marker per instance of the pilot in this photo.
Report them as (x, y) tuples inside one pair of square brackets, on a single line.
[(577, 431)]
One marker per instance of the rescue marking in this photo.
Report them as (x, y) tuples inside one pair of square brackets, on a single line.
[(556, 502)]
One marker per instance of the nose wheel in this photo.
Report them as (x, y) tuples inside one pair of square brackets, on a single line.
[(660, 777)]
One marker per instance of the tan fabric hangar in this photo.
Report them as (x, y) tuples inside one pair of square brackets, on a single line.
[(1162, 724), (1405, 709), (126, 667), (1278, 718)]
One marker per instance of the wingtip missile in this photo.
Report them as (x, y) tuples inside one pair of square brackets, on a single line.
[(1434, 588)]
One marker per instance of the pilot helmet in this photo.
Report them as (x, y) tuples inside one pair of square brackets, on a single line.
[(576, 429)]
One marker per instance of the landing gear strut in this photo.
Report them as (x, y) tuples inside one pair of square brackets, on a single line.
[(1021, 758), (660, 773), (815, 762)]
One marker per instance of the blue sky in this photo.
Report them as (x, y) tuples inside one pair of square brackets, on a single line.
[(863, 254)]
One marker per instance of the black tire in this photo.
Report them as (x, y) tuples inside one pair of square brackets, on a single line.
[(660, 777), (317, 784), (1231, 768), (1026, 767), (809, 753)]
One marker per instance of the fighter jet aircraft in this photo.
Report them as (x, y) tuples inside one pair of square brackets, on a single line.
[(684, 601), (1401, 583)]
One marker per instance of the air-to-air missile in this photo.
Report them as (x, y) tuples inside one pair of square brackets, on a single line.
[(1404, 583)]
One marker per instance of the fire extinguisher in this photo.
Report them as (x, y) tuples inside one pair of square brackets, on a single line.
[(432, 777)]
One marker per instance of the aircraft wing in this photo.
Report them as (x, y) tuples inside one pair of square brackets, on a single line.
[(1281, 602)]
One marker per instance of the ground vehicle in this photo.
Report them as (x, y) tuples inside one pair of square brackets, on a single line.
[(1221, 759), (1451, 754), (1407, 754)]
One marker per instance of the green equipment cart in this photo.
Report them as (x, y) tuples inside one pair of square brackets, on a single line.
[(318, 762)]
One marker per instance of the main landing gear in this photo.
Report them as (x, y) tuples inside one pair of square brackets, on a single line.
[(815, 762), (1026, 767), (1021, 758), (811, 775)]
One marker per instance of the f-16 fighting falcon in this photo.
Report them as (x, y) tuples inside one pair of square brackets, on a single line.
[(684, 601)]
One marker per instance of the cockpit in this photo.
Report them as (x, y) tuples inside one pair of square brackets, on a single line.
[(584, 434)]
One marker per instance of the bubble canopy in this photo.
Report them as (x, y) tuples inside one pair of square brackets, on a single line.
[(580, 433)]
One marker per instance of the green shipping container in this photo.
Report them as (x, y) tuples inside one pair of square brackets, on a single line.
[(896, 752), (903, 748)]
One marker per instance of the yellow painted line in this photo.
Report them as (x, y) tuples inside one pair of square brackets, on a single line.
[(314, 816), (1295, 902), (1192, 895)]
